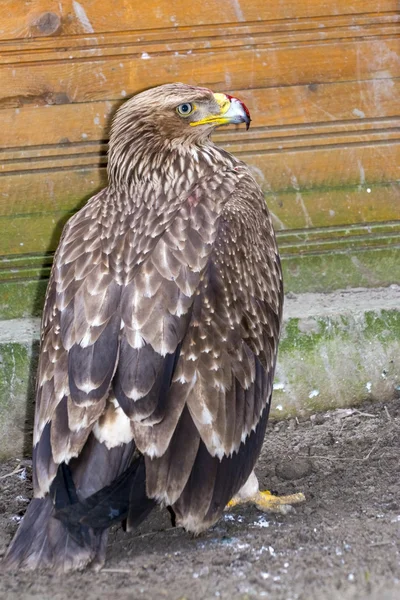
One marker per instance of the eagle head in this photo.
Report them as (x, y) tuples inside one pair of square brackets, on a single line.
[(168, 117)]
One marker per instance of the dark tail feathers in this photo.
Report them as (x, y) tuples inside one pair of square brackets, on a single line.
[(61, 533), (123, 500), (45, 542)]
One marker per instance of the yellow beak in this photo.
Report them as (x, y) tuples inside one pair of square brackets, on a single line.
[(231, 110)]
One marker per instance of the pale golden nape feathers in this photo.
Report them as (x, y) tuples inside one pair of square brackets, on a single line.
[(159, 335)]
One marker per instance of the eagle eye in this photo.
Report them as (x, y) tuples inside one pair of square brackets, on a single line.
[(185, 109)]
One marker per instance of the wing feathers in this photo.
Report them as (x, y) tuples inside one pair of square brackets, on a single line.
[(167, 265), (167, 475), (66, 442), (212, 483), (90, 369), (231, 344), (136, 374), (45, 468)]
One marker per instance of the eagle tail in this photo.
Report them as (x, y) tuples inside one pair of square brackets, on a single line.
[(124, 499), (67, 530), (42, 541)]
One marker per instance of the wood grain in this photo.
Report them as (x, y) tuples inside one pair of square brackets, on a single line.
[(40, 18), (245, 68), (36, 229), (335, 107), (362, 164), (199, 37), (321, 78)]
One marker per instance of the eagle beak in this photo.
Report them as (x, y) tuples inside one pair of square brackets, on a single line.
[(232, 111)]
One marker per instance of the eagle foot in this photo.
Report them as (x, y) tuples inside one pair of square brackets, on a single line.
[(267, 502)]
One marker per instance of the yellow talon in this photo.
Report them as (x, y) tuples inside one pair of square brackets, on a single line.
[(267, 502), (234, 502)]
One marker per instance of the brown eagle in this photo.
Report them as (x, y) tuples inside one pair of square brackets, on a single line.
[(159, 337)]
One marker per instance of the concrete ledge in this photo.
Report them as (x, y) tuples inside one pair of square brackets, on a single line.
[(336, 350)]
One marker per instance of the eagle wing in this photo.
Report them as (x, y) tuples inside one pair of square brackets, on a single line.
[(64, 418), (117, 308), (234, 331), (227, 360)]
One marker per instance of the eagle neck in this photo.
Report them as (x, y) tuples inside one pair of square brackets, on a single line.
[(165, 165)]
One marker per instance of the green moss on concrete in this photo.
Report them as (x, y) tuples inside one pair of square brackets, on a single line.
[(20, 299), (18, 363), (383, 326), (335, 361), (305, 335)]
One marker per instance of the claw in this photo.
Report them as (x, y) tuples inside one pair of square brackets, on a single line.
[(267, 502)]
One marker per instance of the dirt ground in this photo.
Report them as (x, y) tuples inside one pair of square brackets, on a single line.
[(341, 544)]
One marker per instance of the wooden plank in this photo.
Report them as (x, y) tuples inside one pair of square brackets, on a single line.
[(265, 141), (188, 39), (39, 232), (334, 207), (292, 242), (345, 243), (26, 266), (378, 267), (333, 25), (243, 68), (20, 299), (32, 233), (278, 108), (32, 193), (57, 124), (326, 167), (260, 140), (363, 167), (40, 18)]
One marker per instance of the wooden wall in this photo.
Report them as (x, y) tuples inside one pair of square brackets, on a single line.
[(322, 81)]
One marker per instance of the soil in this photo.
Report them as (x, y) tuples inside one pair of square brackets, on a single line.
[(341, 544)]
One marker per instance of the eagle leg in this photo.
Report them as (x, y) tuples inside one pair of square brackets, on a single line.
[(265, 501)]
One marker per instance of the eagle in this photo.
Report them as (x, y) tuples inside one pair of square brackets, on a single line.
[(159, 337)]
